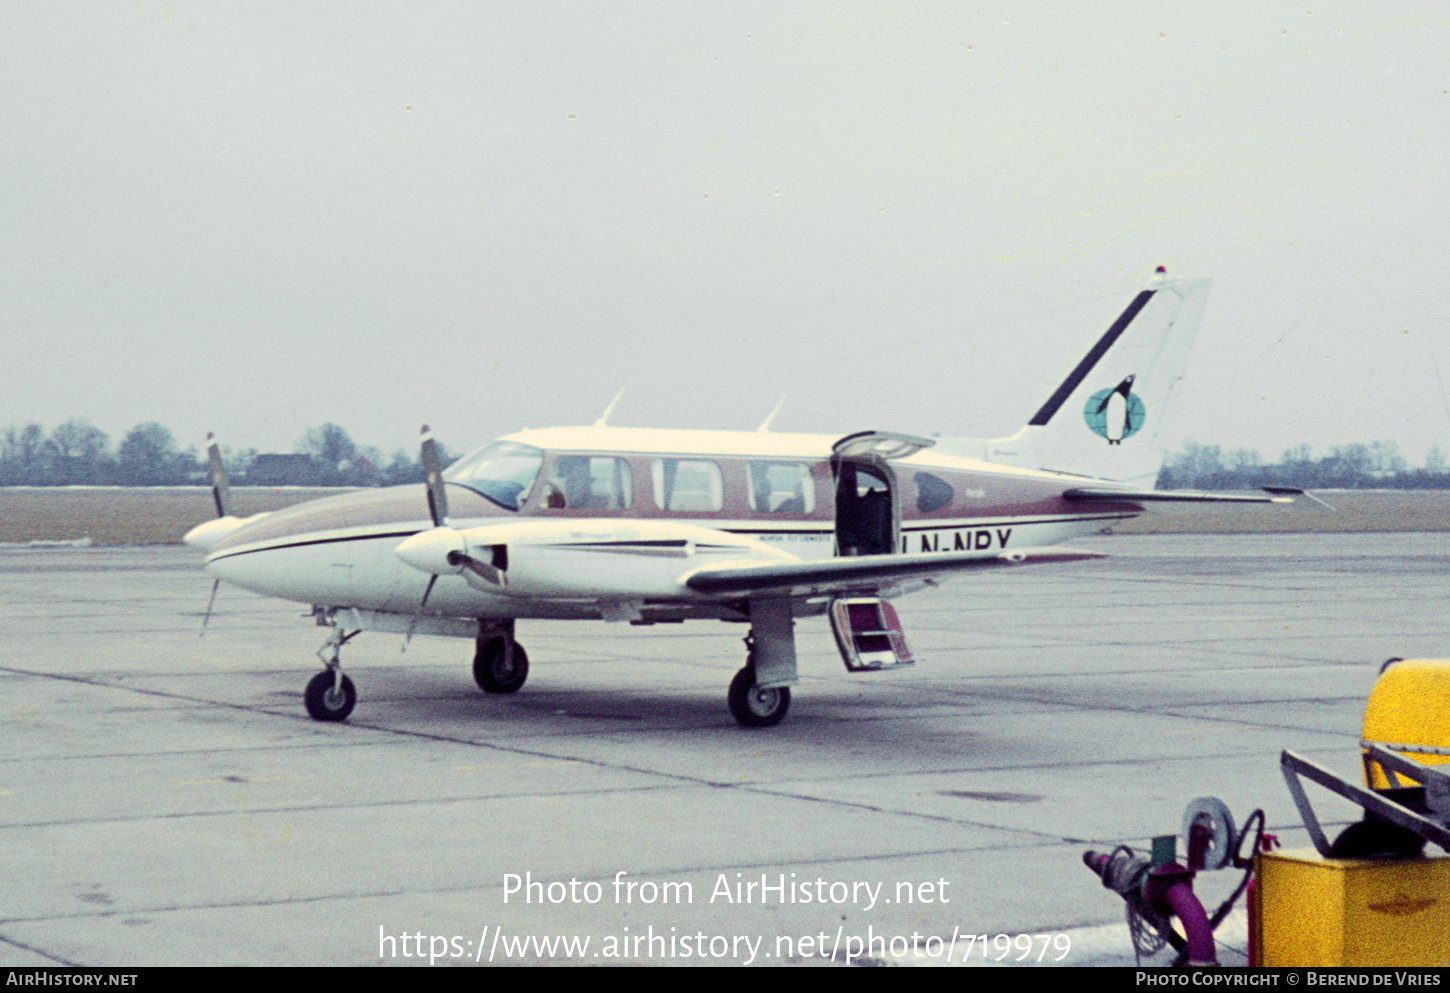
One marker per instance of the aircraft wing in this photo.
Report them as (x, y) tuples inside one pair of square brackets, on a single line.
[(1088, 494), (861, 573)]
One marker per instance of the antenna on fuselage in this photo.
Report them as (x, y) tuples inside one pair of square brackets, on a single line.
[(603, 421), (765, 424)]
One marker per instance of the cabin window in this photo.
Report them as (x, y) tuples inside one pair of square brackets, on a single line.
[(504, 472), (932, 492), (589, 482), (782, 488), (687, 484)]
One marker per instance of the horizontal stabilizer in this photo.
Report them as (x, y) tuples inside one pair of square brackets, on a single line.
[(862, 572)]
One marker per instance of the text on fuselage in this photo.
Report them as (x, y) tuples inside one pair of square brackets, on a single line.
[(955, 540)]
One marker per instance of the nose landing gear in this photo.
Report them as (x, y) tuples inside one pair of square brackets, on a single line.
[(330, 695)]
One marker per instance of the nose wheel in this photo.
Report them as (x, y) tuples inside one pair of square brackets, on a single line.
[(330, 695)]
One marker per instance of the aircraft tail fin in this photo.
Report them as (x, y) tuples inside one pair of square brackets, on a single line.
[(1104, 420)]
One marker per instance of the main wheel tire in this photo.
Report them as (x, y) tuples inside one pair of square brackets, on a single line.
[(326, 702), (493, 671), (753, 706)]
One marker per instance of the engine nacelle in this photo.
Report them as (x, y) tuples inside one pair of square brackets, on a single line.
[(582, 558)]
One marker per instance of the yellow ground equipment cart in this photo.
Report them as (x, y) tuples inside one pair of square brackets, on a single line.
[(1408, 712), (1371, 897)]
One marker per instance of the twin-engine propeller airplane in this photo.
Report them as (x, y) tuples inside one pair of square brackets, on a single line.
[(658, 526)]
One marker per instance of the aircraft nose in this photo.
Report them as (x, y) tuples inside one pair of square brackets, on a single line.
[(433, 551)]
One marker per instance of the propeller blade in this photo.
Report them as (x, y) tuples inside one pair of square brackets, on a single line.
[(221, 491), (421, 604), (210, 600), (433, 477)]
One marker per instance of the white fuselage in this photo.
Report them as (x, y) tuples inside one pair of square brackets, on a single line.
[(592, 518)]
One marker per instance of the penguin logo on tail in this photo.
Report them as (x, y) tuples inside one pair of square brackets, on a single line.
[(1115, 414)]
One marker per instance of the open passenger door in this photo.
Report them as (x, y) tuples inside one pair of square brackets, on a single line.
[(868, 508)]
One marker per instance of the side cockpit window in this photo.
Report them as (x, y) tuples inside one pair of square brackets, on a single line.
[(782, 488), (589, 482), (504, 472), (687, 484)]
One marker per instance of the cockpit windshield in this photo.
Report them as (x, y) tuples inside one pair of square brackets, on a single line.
[(503, 472)]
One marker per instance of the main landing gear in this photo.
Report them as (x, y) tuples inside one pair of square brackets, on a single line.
[(760, 693), (500, 665), (755, 706)]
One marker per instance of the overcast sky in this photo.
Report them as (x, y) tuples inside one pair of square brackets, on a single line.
[(252, 218)]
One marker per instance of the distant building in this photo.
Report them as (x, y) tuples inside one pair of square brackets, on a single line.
[(284, 470)]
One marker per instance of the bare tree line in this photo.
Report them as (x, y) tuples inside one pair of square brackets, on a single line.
[(77, 453), (1378, 465)]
